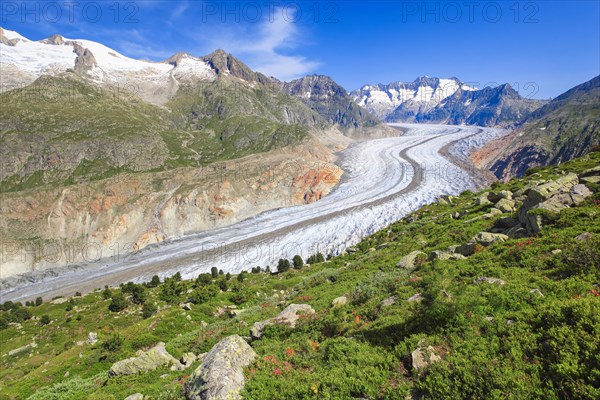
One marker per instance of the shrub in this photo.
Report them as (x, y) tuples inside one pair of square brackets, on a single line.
[(118, 303), (298, 263), (242, 276), (240, 297), (4, 321), (106, 293), (38, 301), (204, 279), (315, 259), (177, 276), (223, 285), (204, 293), (148, 310), (138, 294), (128, 287), (21, 314), (170, 291), (154, 282), (283, 265), (113, 343), (214, 272), (45, 320)]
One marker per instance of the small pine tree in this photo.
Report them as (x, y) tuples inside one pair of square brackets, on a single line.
[(298, 263), (148, 310), (221, 272), (154, 282), (170, 291), (45, 319), (113, 343), (38, 301), (214, 272), (283, 265), (138, 294), (204, 293), (177, 276), (106, 293), (118, 303), (204, 279)]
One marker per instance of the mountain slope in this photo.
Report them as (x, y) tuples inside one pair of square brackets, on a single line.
[(330, 101), (517, 318), (566, 127)]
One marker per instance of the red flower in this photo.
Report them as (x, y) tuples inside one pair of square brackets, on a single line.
[(277, 371), (290, 352), (271, 358), (594, 292)]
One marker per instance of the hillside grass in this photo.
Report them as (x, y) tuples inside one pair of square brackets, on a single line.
[(61, 130), (496, 341)]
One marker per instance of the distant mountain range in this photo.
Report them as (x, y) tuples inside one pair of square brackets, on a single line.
[(445, 101)]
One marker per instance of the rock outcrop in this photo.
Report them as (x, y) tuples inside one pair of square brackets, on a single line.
[(221, 374), (422, 358), (146, 361), (411, 261), (289, 316)]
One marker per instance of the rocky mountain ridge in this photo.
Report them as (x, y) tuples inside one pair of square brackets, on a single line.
[(565, 128), (446, 101)]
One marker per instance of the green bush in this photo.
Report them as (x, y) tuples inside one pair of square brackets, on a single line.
[(118, 303), (283, 265), (38, 301), (154, 282), (204, 279), (315, 259), (113, 343), (138, 294), (297, 261), (204, 293), (21, 314), (45, 319), (170, 291), (148, 310)]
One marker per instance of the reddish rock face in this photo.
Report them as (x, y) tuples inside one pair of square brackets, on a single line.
[(133, 210), (314, 184)]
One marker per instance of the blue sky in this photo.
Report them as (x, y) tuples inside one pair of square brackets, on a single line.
[(542, 48)]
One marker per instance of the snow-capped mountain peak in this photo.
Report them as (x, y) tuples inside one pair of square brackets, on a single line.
[(25, 60), (382, 99)]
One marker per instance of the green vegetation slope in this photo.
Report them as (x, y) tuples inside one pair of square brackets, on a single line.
[(517, 318)]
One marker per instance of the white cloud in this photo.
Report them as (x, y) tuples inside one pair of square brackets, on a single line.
[(267, 49)]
